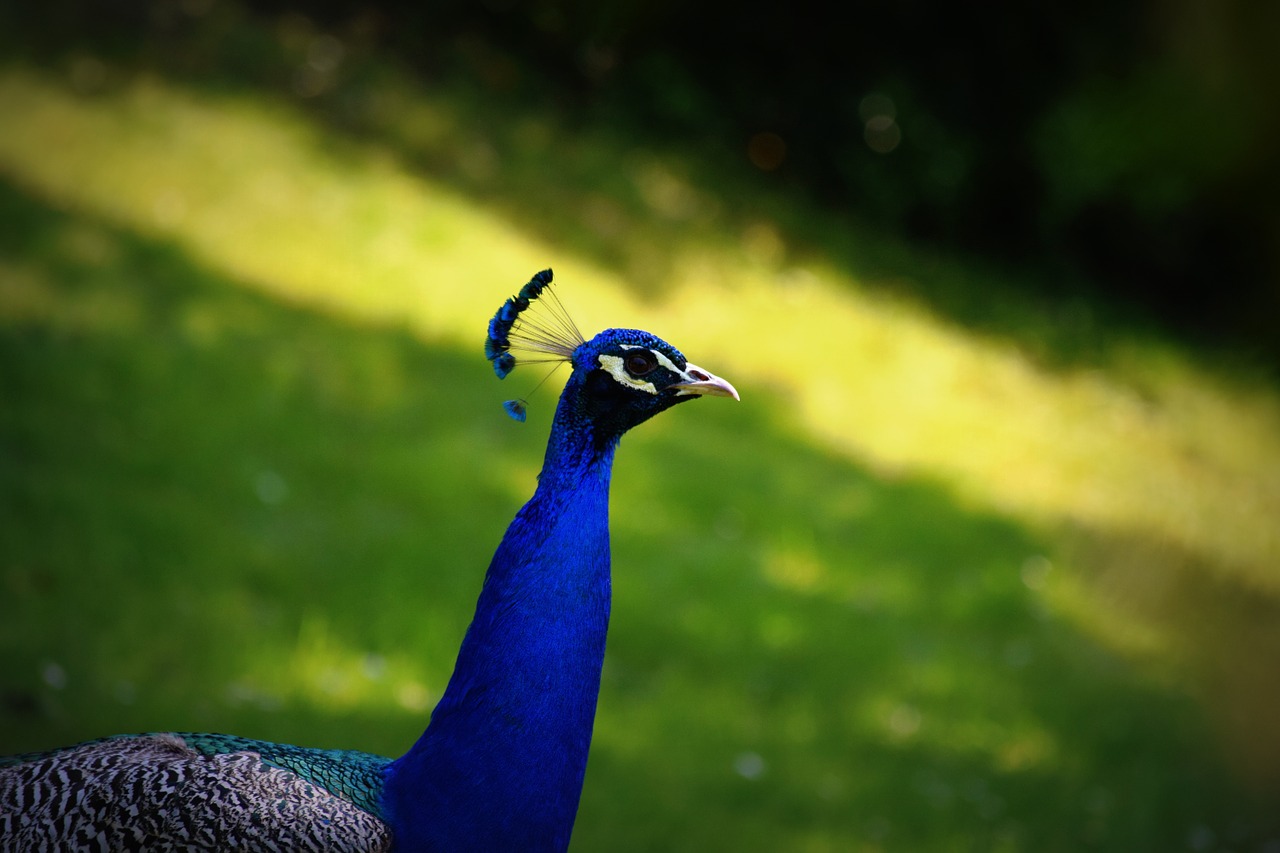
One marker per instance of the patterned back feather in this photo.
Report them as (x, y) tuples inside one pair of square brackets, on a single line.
[(160, 792)]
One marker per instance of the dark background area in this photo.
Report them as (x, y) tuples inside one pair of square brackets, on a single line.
[(1121, 150)]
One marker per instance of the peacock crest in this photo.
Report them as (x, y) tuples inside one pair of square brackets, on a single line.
[(533, 322)]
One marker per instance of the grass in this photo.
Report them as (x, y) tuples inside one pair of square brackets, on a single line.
[(933, 585)]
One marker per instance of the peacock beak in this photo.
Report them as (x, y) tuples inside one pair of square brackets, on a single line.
[(704, 384)]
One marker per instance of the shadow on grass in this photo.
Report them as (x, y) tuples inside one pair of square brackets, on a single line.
[(805, 654), (880, 664), (188, 465)]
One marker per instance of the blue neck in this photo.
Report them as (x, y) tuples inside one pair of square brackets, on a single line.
[(501, 765)]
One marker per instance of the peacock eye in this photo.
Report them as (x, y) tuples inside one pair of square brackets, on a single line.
[(640, 363)]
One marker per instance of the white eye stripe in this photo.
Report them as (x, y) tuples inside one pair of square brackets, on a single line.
[(614, 364), (667, 363), (662, 359)]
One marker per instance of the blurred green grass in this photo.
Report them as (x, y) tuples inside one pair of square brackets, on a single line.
[(919, 591)]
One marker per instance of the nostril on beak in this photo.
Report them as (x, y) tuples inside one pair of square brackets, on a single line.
[(699, 375)]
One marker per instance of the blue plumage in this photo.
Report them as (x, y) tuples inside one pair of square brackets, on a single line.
[(517, 409), (501, 763)]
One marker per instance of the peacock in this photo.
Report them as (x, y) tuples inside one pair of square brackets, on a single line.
[(501, 763)]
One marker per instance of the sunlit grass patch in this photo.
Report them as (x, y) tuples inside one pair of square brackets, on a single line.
[(254, 191), (321, 672), (261, 196)]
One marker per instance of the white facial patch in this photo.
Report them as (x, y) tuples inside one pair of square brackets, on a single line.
[(613, 364), (662, 359)]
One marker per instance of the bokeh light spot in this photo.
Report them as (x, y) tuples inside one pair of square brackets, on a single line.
[(880, 117), (767, 151)]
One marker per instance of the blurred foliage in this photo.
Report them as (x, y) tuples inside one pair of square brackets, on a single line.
[(1128, 144), (1125, 149)]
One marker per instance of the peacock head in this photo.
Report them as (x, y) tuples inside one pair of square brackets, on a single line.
[(621, 377)]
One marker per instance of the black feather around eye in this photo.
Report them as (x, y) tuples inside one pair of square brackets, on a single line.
[(640, 363)]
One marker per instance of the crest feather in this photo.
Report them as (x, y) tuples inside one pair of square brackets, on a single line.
[(548, 335)]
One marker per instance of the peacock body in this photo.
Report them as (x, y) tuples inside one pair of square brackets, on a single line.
[(501, 763)]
